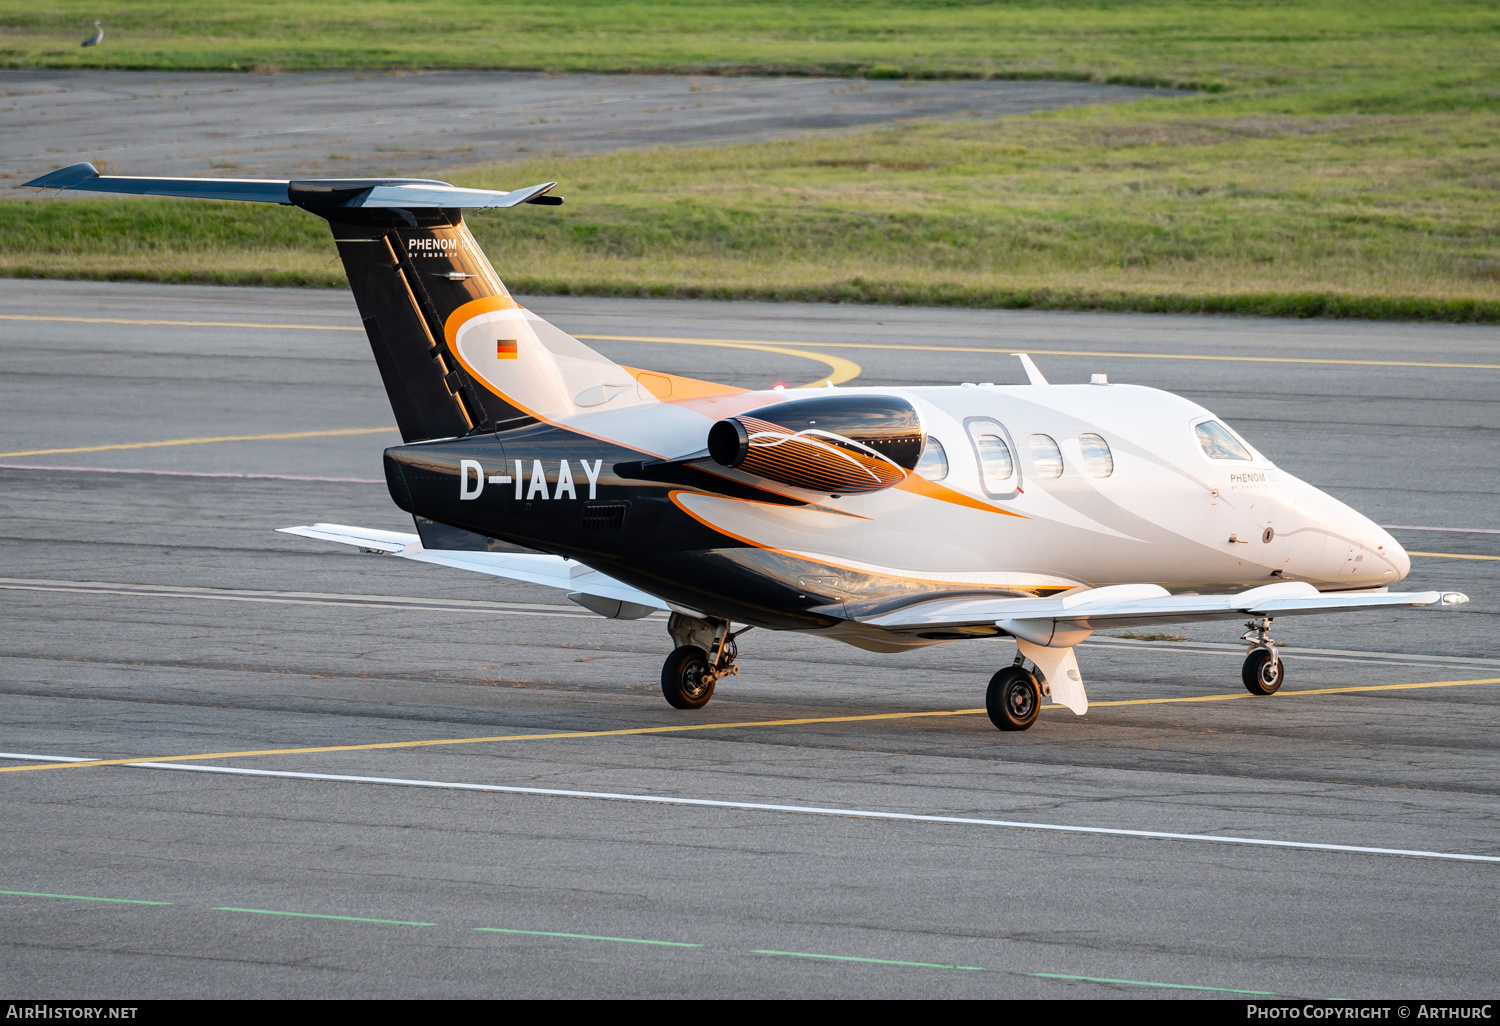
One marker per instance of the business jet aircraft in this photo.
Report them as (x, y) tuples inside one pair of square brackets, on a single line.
[(885, 518)]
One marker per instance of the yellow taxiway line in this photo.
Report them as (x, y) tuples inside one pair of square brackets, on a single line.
[(710, 726), (754, 343), (181, 324), (200, 441), (1449, 555), (996, 351)]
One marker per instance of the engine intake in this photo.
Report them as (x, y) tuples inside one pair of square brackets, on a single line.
[(834, 444)]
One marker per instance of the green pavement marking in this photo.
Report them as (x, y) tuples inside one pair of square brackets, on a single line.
[(84, 897), (1148, 983), (314, 915), (877, 961), (586, 936)]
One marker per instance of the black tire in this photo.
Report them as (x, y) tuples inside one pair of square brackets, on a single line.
[(1013, 699), (1261, 673), (683, 682)]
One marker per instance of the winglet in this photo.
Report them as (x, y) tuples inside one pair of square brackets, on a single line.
[(69, 177), (1033, 375)]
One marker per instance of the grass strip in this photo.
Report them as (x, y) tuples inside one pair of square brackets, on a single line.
[(586, 936), (1210, 206), (314, 915), (877, 961), (1341, 159), (1148, 983), (84, 897), (1217, 44)]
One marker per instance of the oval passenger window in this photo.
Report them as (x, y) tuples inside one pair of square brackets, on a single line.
[(1218, 443), (1097, 459), (934, 462), (1046, 456), (994, 457)]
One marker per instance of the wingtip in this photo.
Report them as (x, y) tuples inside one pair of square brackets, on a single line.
[(69, 177)]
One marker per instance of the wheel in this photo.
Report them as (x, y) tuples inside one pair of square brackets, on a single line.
[(1262, 673), (685, 682), (1013, 699)]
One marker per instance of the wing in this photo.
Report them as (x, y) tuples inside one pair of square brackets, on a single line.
[(589, 588), (1137, 605), (1046, 629)]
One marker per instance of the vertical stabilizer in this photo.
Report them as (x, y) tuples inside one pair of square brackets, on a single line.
[(409, 271), (455, 352)]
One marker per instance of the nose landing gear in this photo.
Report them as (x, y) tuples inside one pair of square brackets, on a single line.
[(704, 655), (1262, 672)]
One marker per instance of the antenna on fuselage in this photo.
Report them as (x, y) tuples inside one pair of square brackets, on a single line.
[(1033, 375)]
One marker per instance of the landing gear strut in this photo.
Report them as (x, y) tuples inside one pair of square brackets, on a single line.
[(705, 654), (1262, 672)]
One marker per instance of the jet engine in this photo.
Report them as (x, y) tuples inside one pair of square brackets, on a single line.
[(833, 443)]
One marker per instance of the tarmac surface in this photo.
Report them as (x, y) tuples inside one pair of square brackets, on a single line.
[(329, 125), (151, 611)]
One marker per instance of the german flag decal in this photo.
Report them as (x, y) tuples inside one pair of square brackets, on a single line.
[(505, 349)]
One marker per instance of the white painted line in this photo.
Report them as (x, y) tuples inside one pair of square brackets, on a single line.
[(49, 758), (1331, 655), (1448, 530), (907, 817), (294, 598)]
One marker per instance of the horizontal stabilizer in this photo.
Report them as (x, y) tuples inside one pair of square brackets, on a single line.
[(351, 193), (620, 601), (365, 537)]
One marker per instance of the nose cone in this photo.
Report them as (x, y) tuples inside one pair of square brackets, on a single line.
[(1356, 551), (1390, 550), (1374, 558)]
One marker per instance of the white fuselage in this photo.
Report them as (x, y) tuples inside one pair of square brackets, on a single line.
[(1165, 513)]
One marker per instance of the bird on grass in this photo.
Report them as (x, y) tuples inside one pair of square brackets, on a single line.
[(96, 38)]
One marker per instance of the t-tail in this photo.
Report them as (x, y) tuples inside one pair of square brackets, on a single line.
[(456, 353)]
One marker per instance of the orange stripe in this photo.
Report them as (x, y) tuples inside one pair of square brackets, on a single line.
[(681, 387), (918, 485), (881, 571)]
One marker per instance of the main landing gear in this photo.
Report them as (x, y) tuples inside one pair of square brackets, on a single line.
[(705, 654), (1015, 697), (1262, 672)]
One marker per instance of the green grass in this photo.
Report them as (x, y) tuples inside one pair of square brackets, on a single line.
[(1228, 43), (1345, 160)]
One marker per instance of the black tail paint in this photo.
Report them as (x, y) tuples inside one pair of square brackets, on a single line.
[(409, 271)]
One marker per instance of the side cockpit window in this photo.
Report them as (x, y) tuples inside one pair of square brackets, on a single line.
[(1046, 457), (1218, 443), (934, 462), (1097, 459)]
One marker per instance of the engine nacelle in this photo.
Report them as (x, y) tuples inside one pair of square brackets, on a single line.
[(832, 443)]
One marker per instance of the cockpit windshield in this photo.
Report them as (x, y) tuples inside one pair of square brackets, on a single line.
[(1218, 443)]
